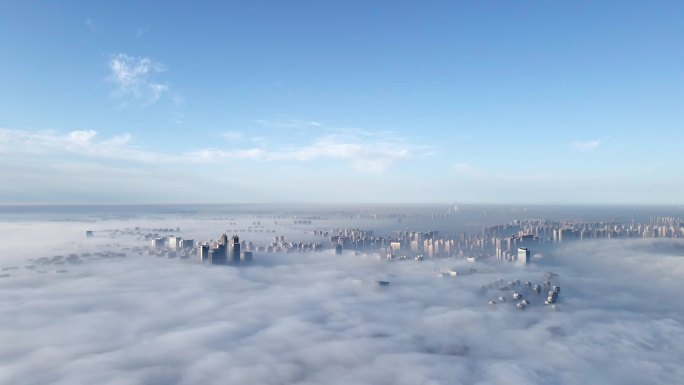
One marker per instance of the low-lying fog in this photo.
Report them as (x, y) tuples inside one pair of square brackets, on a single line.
[(321, 318)]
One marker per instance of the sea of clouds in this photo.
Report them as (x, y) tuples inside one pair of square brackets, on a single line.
[(320, 318)]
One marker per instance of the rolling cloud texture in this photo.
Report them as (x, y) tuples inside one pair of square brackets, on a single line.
[(320, 318)]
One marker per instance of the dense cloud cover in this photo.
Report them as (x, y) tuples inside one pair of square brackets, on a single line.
[(321, 318)]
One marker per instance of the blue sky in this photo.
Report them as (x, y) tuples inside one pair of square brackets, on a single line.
[(355, 101)]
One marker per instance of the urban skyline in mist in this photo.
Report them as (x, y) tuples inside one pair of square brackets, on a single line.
[(341, 192), (341, 102), (340, 296)]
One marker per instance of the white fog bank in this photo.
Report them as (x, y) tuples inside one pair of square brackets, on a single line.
[(321, 318)]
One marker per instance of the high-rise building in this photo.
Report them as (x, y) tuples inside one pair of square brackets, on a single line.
[(338, 248), (203, 253), (247, 256), (234, 249), (187, 244), (523, 255), (173, 242), (158, 242), (218, 255)]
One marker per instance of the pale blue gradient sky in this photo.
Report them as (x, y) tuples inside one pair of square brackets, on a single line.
[(355, 101)]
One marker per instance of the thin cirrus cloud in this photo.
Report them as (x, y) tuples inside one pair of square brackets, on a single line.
[(233, 136), (587, 145), (134, 77), (367, 154), (371, 157), (289, 124), (90, 23), (367, 151), (82, 142)]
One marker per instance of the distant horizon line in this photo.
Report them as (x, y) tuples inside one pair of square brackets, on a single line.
[(447, 204)]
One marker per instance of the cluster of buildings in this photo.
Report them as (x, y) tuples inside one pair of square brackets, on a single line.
[(534, 233), (511, 242), (279, 245), (525, 293), (416, 244), (225, 251), (563, 231)]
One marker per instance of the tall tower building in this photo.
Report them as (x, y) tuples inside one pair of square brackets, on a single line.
[(224, 248), (218, 255), (247, 256), (203, 253), (523, 255), (234, 256)]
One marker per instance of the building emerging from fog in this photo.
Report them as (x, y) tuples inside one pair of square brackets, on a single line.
[(218, 255), (247, 256), (234, 249), (203, 253), (523, 255)]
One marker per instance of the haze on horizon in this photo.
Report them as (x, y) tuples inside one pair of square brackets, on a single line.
[(265, 101)]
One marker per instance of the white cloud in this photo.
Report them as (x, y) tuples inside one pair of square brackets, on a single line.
[(587, 145), (370, 153), (82, 137), (371, 156), (289, 124), (119, 140), (319, 318), (83, 143), (134, 77)]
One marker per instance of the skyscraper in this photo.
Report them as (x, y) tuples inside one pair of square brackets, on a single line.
[(203, 253), (219, 255), (234, 250), (523, 255), (224, 240), (247, 256)]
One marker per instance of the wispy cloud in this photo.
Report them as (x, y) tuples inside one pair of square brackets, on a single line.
[(289, 123), (587, 145), (233, 136), (134, 77), (140, 32), (90, 23), (372, 158), (81, 142), (467, 169), (367, 152)]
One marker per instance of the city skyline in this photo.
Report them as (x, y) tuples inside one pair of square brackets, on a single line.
[(341, 102), (341, 296), (341, 192)]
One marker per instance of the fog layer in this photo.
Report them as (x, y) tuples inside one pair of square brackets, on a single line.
[(321, 318)]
